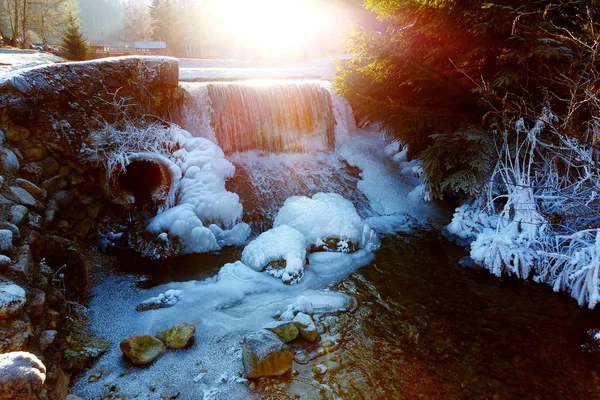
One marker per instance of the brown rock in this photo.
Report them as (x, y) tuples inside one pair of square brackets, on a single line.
[(36, 306), (54, 319), (64, 170), (263, 354), (178, 336), (32, 172), (61, 387), (15, 334), (16, 133), (35, 152), (33, 189), (142, 349)]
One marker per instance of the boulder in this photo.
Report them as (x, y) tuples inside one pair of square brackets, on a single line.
[(263, 354), (178, 336), (9, 163), (307, 327), (47, 338), (23, 196), (15, 335), (64, 170), (15, 133), (18, 214), (12, 299), (285, 330), (34, 152), (32, 188), (6, 240), (11, 227), (4, 262), (23, 261), (32, 172), (142, 349), (22, 376)]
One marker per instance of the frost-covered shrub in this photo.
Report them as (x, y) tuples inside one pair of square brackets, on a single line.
[(535, 219)]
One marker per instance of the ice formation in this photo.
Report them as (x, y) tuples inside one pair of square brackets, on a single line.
[(205, 216), (327, 216), (281, 243)]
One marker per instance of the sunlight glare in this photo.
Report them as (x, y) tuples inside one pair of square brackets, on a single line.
[(271, 26)]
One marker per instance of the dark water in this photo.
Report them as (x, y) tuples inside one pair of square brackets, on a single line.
[(426, 327)]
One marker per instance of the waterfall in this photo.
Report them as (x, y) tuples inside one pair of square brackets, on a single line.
[(267, 116), (282, 137)]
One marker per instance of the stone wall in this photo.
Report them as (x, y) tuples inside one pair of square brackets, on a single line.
[(51, 197)]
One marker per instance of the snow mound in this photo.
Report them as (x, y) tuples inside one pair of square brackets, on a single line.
[(281, 243), (205, 216), (326, 216)]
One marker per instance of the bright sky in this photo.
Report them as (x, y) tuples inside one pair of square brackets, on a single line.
[(272, 26)]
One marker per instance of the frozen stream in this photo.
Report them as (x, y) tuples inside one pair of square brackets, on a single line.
[(404, 321)]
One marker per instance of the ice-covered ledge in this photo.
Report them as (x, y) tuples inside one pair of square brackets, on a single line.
[(53, 108)]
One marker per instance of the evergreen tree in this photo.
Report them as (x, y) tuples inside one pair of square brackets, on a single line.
[(440, 70), (75, 45)]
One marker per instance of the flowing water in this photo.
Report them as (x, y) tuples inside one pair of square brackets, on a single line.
[(416, 323)]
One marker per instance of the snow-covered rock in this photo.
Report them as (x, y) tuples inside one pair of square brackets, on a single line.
[(278, 244), (163, 300), (263, 354), (22, 376), (307, 327), (326, 216), (302, 305), (12, 299)]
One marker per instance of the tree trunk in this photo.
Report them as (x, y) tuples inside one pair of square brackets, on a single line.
[(43, 30), (24, 16)]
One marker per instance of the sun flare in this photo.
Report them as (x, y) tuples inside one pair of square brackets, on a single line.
[(271, 26)]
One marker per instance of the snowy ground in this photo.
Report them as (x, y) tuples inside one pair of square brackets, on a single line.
[(12, 59)]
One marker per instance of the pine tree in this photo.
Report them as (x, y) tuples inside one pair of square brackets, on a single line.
[(75, 45)]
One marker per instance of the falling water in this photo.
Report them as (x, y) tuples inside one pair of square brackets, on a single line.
[(282, 137), (267, 116)]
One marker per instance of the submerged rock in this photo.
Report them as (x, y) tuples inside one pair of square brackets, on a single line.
[(22, 376), (178, 336), (263, 354), (142, 349), (12, 299), (307, 327), (285, 330)]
